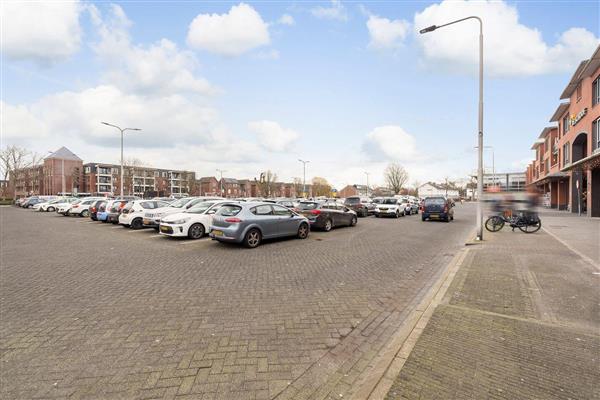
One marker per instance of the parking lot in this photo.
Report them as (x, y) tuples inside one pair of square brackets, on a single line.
[(100, 311)]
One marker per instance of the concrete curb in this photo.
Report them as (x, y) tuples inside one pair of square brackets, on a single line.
[(387, 366)]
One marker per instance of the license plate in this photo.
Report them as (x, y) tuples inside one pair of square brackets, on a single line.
[(217, 233), (433, 216), (165, 228)]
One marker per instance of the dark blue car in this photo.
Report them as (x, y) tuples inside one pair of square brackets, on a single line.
[(438, 208)]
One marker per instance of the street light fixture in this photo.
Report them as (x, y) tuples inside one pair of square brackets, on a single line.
[(122, 130), (221, 181), (480, 119), (304, 162)]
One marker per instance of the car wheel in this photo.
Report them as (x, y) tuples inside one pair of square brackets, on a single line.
[(353, 221), (196, 231), (303, 231), (50, 209), (136, 223), (328, 225), (85, 213), (397, 215), (423, 218), (252, 238)]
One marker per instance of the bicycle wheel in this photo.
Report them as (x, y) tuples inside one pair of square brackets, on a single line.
[(531, 227), (494, 224)]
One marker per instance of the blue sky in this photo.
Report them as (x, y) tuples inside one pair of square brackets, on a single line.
[(252, 86)]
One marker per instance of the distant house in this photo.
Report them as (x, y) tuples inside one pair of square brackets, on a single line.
[(354, 190), (431, 189), (209, 186)]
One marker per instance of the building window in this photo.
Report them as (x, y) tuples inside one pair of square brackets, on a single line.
[(566, 124), (579, 92), (596, 134), (566, 154), (596, 91)]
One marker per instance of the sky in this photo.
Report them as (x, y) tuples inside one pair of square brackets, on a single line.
[(250, 86)]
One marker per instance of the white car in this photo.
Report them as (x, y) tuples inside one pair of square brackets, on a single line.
[(193, 223), (404, 204), (152, 218), (82, 208), (133, 213), (52, 205), (390, 207)]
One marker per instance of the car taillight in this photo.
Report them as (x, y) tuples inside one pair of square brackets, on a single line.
[(75, 206), (233, 220), (93, 209), (315, 212)]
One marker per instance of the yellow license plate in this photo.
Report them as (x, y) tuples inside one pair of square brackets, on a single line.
[(433, 216), (217, 233), (164, 228)]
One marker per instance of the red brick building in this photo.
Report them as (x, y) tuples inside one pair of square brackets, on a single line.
[(567, 164), (209, 186)]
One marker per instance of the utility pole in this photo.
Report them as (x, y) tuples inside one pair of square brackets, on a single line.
[(221, 172), (367, 174), (304, 162), (122, 131)]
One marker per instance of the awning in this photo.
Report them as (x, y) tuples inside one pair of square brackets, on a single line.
[(555, 176), (590, 162)]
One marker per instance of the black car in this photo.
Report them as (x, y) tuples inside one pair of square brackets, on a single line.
[(95, 207), (438, 208), (327, 215), (363, 206), (115, 211)]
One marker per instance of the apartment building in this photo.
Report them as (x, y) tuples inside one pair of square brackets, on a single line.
[(566, 168)]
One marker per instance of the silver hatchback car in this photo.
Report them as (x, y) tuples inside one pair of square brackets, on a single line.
[(250, 223)]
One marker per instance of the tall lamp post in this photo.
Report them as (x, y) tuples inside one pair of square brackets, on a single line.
[(122, 131), (304, 162), (367, 174), (480, 119)]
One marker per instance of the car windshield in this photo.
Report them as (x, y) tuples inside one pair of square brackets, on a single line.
[(229, 210), (389, 201), (438, 201), (353, 200), (200, 208), (179, 203), (307, 206)]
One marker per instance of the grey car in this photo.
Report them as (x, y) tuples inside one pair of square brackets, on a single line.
[(250, 223)]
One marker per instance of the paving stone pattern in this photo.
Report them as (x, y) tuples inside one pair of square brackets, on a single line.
[(90, 310)]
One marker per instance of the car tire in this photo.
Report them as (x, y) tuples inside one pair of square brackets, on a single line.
[(136, 224), (328, 225), (50, 209), (196, 231), (397, 215), (353, 221), (376, 215), (85, 214), (253, 238), (303, 230)]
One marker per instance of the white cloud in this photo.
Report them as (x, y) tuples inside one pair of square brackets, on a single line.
[(336, 11), (239, 31), (273, 136), (385, 33), (159, 68), (390, 142), (286, 19), (45, 32), (510, 48)]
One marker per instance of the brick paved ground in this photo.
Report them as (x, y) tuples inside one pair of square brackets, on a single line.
[(580, 232), (95, 311), (521, 320)]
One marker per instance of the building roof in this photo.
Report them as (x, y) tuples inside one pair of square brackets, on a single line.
[(207, 178), (546, 131), (560, 111), (593, 64), (64, 154), (230, 180), (574, 82), (537, 143)]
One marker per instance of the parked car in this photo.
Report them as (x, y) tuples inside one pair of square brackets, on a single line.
[(390, 207), (82, 208), (363, 206), (287, 203), (405, 205), (51, 206), (102, 212), (30, 202), (152, 218), (133, 212), (95, 207), (115, 210), (64, 208), (438, 208), (250, 223), (193, 223), (414, 204), (327, 215)]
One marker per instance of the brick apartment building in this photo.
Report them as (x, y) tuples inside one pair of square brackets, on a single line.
[(566, 168)]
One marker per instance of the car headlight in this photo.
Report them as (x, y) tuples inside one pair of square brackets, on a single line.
[(179, 221)]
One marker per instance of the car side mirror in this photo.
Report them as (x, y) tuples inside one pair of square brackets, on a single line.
[(211, 212)]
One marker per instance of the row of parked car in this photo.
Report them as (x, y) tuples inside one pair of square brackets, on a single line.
[(248, 220)]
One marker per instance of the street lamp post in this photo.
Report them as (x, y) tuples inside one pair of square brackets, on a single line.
[(304, 162), (480, 119), (122, 130), (367, 174)]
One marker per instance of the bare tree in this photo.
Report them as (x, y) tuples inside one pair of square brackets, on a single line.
[(395, 177), (320, 186), (14, 159), (298, 188), (266, 183), (131, 168)]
